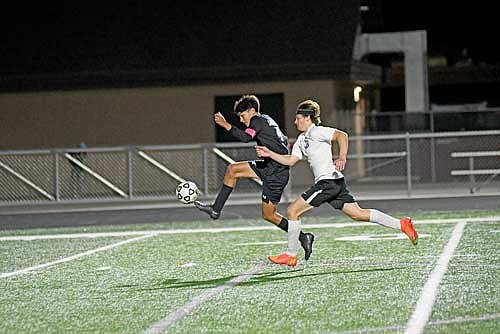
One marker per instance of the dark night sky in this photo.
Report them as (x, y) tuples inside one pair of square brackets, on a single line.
[(71, 37), (450, 25), (136, 36)]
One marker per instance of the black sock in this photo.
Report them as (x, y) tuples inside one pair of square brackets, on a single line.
[(284, 226), (301, 236), (222, 198)]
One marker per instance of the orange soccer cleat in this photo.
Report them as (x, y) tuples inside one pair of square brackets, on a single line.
[(284, 258), (409, 230)]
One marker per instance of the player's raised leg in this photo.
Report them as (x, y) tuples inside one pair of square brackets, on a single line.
[(234, 172), (405, 224)]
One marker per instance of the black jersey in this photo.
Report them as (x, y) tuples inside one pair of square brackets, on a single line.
[(265, 131)]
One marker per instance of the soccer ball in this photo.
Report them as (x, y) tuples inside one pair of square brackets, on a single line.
[(187, 192)]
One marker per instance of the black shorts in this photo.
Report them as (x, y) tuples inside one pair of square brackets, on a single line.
[(274, 179), (333, 192)]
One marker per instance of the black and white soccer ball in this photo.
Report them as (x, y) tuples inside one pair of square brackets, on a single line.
[(187, 192)]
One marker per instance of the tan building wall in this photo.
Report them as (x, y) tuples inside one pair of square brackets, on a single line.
[(141, 116)]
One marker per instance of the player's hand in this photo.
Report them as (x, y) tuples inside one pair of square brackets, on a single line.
[(221, 121), (262, 151), (340, 164)]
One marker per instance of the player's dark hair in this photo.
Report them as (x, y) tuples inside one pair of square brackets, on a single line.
[(247, 102), (310, 108)]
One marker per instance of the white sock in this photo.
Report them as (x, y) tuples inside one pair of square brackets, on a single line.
[(383, 219), (293, 237)]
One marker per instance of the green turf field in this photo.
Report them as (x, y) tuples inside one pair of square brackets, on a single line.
[(213, 277)]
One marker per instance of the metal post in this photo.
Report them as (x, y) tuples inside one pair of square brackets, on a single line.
[(472, 178), (56, 176), (433, 148), (408, 164), (129, 170)]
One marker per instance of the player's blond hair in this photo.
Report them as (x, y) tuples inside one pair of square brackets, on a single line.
[(310, 108)]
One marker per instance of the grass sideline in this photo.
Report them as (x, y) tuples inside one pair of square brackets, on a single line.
[(349, 286)]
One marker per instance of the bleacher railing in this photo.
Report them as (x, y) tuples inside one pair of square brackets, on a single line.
[(380, 166)]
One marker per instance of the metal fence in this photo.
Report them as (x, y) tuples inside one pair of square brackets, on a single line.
[(403, 165), (438, 119)]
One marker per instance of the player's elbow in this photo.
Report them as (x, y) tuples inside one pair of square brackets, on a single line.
[(247, 139), (343, 135), (292, 160)]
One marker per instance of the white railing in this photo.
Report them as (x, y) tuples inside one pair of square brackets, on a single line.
[(398, 166)]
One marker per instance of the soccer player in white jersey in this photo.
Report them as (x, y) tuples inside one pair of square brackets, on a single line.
[(315, 145)]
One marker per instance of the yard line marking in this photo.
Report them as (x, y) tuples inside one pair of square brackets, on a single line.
[(73, 257), (431, 323), (491, 219), (263, 243), (228, 229), (197, 301), (464, 319), (423, 310), (77, 235), (378, 237), (370, 330), (103, 268), (187, 265)]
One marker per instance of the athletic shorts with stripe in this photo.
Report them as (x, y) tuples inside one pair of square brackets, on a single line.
[(274, 178), (331, 191)]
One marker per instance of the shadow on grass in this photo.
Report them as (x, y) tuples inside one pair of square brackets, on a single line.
[(284, 275)]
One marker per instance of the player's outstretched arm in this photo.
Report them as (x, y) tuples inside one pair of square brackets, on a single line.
[(221, 121), (342, 139), (264, 152)]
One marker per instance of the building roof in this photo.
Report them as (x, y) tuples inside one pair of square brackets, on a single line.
[(355, 72)]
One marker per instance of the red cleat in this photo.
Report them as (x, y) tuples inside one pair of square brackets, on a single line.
[(284, 258), (409, 230)]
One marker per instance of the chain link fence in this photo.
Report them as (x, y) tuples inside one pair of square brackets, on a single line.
[(404, 165)]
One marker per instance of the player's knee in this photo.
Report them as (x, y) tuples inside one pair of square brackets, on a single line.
[(356, 217), (360, 216), (292, 213), (231, 170), (268, 216), (271, 216)]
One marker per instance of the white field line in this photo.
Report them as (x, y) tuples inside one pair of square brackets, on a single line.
[(486, 317), (187, 308), (422, 312), (263, 243), (209, 294), (229, 229), (73, 257), (398, 328)]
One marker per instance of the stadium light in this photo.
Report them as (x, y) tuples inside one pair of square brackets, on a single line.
[(357, 91)]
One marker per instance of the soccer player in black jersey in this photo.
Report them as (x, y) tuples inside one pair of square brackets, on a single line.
[(266, 132)]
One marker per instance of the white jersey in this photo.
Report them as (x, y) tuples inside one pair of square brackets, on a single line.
[(316, 146)]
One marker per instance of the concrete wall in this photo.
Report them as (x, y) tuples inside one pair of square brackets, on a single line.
[(142, 116)]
